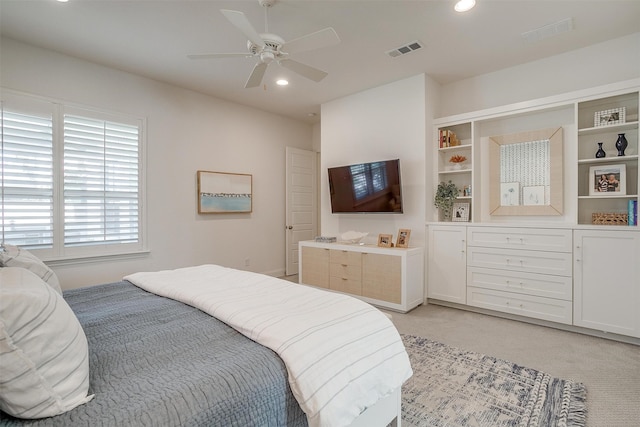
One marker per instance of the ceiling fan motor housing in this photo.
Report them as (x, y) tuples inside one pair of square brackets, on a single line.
[(272, 42)]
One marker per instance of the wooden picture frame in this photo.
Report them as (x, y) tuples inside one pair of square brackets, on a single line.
[(222, 192), (385, 240), (608, 180), (545, 147), (403, 238), (460, 212)]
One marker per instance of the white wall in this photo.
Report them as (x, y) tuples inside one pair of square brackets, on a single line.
[(383, 123), (600, 64), (186, 132)]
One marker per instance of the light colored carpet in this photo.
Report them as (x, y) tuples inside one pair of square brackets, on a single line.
[(609, 370), (460, 388)]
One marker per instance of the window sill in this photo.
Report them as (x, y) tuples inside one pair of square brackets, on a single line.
[(75, 260)]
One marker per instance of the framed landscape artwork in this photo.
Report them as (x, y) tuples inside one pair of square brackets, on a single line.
[(220, 192)]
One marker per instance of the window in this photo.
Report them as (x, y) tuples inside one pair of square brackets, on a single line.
[(71, 180), (368, 179)]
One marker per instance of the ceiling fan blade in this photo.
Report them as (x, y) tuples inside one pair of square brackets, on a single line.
[(256, 75), (304, 70), (322, 38), (242, 23), (220, 55)]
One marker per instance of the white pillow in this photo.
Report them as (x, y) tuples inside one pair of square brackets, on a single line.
[(14, 256), (44, 356)]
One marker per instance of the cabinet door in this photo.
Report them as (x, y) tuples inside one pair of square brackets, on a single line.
[(607, 281), (382, 277), (447, 268), (315, 267)]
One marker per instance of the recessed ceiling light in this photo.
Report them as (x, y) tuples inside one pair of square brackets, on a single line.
[(464, 5), (282, 82), (63, 1)]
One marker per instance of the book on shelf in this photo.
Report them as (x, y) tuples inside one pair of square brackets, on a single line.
[(447, 138), (632, 212)]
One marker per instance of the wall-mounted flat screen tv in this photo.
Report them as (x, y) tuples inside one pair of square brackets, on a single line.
[(372, 187)]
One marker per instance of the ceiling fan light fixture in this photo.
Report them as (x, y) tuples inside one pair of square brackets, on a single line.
[(464, 5)]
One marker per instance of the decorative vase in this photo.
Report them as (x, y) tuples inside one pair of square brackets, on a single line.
[(621, 144), (600, 153), (446, 213)]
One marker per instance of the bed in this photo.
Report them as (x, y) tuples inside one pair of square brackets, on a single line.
[(159, 354)]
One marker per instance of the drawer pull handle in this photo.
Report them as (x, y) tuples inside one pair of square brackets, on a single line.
[(344, 265)]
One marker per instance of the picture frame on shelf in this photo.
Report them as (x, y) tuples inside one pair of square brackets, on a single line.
[(460, 212), (222, 192), (385, 240), (608, 180), (403, 238), (612, 116)]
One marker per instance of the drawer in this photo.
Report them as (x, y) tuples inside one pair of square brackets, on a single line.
[(542, 285), (558, 263), (345, 271), (532, 239), (345, 257), (554, 310), (349, 286)]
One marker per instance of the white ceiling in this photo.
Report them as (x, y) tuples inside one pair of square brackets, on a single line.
[(153, 38)]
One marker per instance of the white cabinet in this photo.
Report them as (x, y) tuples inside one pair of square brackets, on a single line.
[(523, 271), (447, 266), (607, 281), (387, 277)]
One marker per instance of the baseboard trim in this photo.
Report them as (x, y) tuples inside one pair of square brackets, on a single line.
[(560, 326)]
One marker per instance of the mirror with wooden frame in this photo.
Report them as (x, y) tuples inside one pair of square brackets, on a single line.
[(526, 173)]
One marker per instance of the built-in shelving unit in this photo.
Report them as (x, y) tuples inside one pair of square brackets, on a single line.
[(589, 135), (460, 174), (544, 268), (576, 114)]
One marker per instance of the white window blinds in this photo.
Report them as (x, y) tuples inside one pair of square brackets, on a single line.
[(26, 162), (100, 181), (71, 179)]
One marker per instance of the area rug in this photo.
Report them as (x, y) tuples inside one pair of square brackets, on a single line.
[(452, 387)]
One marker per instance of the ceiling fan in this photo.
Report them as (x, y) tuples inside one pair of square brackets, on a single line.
[(268, 47)]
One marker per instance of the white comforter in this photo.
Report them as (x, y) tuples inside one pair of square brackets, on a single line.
[(342, 354)]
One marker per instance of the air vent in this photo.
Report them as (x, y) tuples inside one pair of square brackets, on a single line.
[(548, 30), (403, 50)]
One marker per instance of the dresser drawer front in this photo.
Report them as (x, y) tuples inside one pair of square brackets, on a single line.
[(345, 257), (542, 285), (558, 263), (345, 271), (534, 239), (341, 284), (553, 310)]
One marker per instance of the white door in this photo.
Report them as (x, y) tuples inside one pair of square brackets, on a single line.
[(301, 203)]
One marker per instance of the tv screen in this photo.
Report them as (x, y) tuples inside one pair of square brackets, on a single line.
[(373, 187)]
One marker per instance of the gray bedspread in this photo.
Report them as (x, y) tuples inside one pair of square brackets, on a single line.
[(159, 362)]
